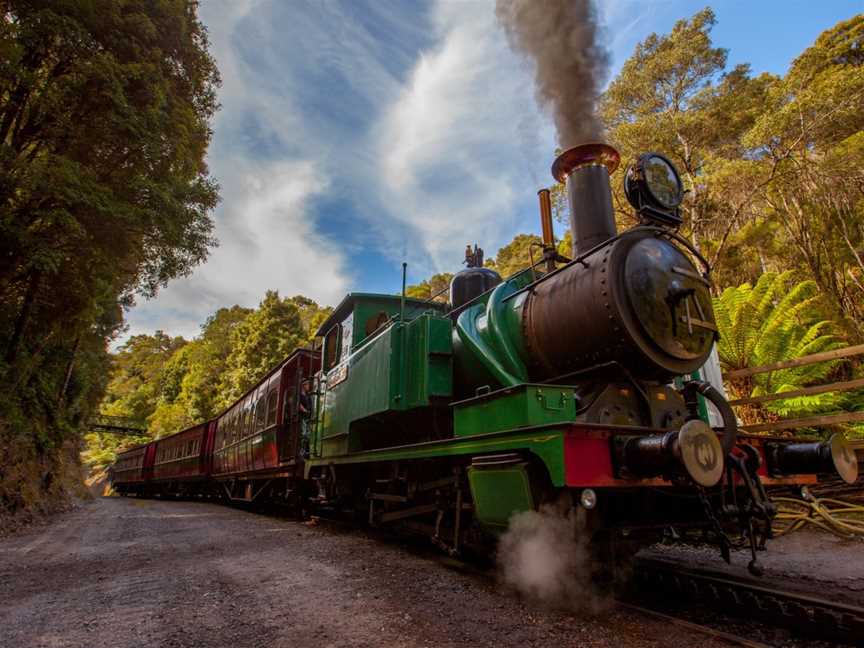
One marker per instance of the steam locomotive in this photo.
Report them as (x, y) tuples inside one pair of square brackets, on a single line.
[(574, 382)]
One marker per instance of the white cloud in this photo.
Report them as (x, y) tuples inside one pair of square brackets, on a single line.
[(267, 236), (429, 151), (464, 143)]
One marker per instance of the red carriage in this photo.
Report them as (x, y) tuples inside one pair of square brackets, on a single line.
[(258, 439), (181, 459), (129, 472)]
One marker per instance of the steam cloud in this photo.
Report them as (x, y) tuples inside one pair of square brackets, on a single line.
[(561, 37), (545, 558)]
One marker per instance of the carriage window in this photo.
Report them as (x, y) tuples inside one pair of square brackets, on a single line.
[(260, 412), (248, 422), (271, 406)]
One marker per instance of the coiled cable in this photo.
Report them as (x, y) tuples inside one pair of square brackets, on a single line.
[(835, 516)]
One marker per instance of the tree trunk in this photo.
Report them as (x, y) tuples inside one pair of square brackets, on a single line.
[(69, 368), (23, 316)]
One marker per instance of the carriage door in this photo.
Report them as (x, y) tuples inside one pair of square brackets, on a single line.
[(290, 438)]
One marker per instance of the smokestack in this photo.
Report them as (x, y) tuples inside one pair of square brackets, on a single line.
[(586, 169)]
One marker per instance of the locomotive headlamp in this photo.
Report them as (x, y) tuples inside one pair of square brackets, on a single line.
[(588, 499), (652, 185)]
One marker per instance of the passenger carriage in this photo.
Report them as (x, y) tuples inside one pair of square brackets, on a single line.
[(127, 474), (257, 441), (181, 460)]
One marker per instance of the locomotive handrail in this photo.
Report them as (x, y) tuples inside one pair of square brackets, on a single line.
[(661, 231), (578, 259)]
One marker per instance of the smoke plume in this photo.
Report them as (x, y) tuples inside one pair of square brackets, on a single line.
[(561, 37), (544, 557)]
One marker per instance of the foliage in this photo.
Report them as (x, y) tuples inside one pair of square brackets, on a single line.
[(812, 134), (172, 384), (138, 370), (778, 319), (516, 255), (774, 167), (674, 95), (101, 448), (104, 194), (189, 389), (264, 338), (437, 286)]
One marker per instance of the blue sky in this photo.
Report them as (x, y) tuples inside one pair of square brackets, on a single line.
[(356, 134)]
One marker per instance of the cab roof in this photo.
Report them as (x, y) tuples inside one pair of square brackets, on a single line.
[(346, 307)]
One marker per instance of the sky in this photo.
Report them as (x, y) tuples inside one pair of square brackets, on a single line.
[(355, 135)]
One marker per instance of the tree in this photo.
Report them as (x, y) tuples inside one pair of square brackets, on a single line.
[(104, 127), (104, 194), (517, 255), (139, 370), (812, 134), (264, 338), (437, 287), (189, 385), (674, 95)]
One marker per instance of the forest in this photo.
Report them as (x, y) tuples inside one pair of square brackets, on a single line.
[(96, 212)]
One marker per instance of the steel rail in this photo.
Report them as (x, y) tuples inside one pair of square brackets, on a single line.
[(806, 613), (695, 627)]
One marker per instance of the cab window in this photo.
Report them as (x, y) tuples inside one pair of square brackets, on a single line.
[(346, 336), (375, 322), (331, 348)]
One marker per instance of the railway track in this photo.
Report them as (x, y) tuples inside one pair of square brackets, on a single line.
[(728, 637), (752, 601), (803, 614)]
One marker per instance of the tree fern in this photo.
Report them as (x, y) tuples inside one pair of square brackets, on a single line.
[(775, 320)]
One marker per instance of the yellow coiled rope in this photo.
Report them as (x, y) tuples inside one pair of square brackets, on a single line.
[(835, 516)]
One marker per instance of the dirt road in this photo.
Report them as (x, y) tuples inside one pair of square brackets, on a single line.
[(135, 573)]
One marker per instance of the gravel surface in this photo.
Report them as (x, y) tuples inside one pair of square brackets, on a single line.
[(132, 573)]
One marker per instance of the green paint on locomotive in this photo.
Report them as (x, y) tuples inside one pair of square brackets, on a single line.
[(381, 395), (488, 343), (526, 405), (377, 398), (401, 367), (545, 443), (499, 492)]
